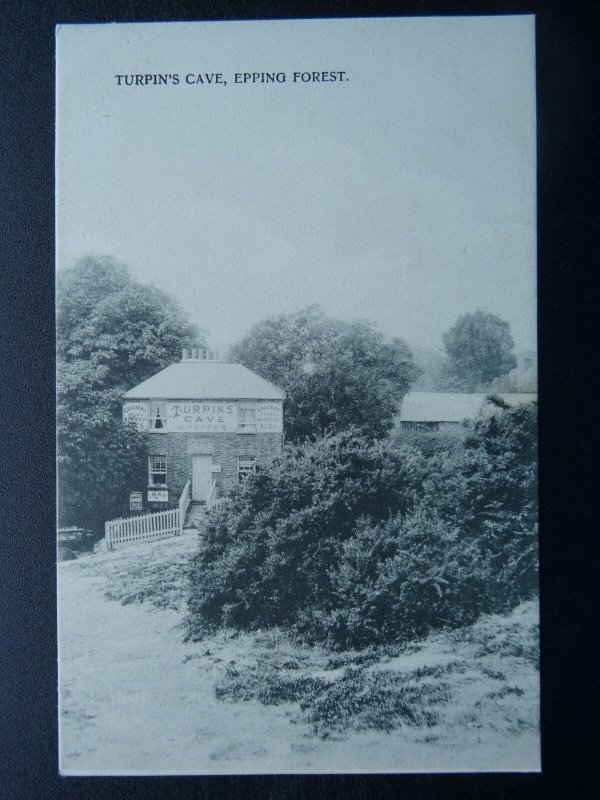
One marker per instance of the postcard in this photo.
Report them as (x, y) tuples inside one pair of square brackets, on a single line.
[(297, 397)]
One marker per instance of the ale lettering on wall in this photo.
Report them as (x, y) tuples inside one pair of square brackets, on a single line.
[(269, 417), (136, 414)]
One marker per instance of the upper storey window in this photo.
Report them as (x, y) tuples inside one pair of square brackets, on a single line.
[(247, 416), (158, 416)]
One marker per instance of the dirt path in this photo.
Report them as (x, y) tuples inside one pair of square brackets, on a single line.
[(136, 700)]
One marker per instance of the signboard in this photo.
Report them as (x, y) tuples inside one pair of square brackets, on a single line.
[(269, 417), (206, 416), (202, 416), (135, 501), (158, 495), (136, 414)]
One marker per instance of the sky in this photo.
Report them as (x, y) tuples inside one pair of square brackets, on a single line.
[(403, 194)]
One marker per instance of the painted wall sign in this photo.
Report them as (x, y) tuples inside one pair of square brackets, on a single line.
[(197, 416), (136, 414), (269, 417), (212, 416), (135, 501), (158, 495)]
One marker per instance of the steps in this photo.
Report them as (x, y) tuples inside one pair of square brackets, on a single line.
[(195, 513)]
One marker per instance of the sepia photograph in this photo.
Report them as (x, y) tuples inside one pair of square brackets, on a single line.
[(297, 394)]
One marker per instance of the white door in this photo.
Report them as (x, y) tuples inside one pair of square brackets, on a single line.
[(201, 477)]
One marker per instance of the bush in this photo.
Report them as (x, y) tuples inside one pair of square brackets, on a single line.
[(397, 580), (372, 701), (266, 555), (429, 443), (356, 543), (358, 699), (489, 491)]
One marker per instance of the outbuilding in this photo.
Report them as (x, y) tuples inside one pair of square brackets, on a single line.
[(206, 422), (447, 411)]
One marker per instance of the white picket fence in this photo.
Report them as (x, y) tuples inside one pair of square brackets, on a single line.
[(145, 528), (157, 524)]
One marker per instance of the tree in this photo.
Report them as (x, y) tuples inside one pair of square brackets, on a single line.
[(112, 333), (335, 374), (123, 328), (479, 349), (96, 473)]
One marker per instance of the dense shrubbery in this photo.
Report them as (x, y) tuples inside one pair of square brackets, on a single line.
[(354, 543), (267, 553)]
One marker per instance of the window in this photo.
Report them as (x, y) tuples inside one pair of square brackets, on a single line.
[(158, 416), (247, 416), (246, 466), (421, 426), (157, 471)]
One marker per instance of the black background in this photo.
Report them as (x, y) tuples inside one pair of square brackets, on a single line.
[(568, 37)]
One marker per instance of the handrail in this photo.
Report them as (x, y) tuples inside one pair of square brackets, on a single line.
[(184, 502), (211, 497)]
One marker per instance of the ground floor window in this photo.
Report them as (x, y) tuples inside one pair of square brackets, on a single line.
[(246, 466), (157, 471)]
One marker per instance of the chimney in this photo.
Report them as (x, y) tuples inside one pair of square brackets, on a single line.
[(199, 354)]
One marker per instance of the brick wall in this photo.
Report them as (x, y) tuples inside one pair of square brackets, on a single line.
[(225, 449)]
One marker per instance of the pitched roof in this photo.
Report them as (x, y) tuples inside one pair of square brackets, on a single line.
[(450, 406), (205, 380)]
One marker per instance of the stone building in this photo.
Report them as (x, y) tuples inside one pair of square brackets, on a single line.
[(206, 421)]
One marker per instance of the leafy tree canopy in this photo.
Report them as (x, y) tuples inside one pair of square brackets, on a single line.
[(335, 374), (112, 333), (123, 329), (479, 348)]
